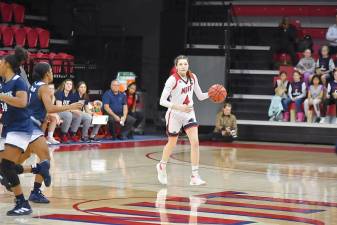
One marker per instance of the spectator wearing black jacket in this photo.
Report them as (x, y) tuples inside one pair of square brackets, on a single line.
[(285, 40)]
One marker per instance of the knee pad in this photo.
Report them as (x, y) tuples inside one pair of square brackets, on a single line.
[(8, 169)]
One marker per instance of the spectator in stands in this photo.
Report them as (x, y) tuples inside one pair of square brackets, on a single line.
[(296, 94), (281, 94), (306, 66), (132, 99), (331, 97), (331, 36), (285, 40), (52, 120), (325, 64), (225, 125), (115, 106), (86, 114), (64, 96), (315, 96)]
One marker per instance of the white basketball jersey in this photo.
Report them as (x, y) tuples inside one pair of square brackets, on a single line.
[(182, 89)]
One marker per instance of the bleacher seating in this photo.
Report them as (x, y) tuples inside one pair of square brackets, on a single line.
[(20, 36), (284, 10), (7, 36), (24, 35), (6, 12), (19, 13), (44, 37)]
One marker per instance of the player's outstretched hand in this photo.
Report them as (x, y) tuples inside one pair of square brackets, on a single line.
[(76, 106)]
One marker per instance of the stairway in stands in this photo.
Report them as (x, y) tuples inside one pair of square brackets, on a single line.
[(250, 75)]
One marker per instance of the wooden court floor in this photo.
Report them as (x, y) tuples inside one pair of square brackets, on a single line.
[(247, 183)]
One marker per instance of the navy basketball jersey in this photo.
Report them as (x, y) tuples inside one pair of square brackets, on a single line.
[(66, 100), (13, 118), (36, 107)]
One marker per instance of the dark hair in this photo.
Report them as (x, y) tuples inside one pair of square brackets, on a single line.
[(178, 58), (86, 95), (40, 70), (134, 94), (227, 105), (297, 73), (15, 60), (283, 72), (320, 50), (314, 77)]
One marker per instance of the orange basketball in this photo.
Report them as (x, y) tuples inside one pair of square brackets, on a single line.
[(217, 93)]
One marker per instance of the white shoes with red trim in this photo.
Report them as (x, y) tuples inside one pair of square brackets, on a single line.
[(162, 176), (196, 181)]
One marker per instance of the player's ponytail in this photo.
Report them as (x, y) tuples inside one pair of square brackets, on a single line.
[(15, 60), (40, 70)]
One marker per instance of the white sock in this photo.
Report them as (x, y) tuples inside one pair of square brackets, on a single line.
[(195, 171), (50, 134), (163, 164)]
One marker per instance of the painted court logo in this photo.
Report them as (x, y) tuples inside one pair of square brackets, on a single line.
[(231, 208)]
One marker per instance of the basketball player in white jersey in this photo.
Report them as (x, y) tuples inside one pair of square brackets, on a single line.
[(177, 96)]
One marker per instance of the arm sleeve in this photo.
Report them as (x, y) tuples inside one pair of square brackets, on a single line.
[(218, 126), (331, 65), (105, 98), (313, 66), (330, 34), (304, 91), (197, 90), (328, 91), (289, 91), (170, 83), (235, 126), (124, 99), (300, 65)]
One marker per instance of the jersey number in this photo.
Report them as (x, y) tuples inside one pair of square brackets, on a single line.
[(186, 101)]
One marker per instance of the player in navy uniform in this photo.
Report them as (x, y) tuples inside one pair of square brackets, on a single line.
[(17, 127), (40, 103)]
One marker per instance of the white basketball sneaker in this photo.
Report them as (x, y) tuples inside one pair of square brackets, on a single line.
[(162, 176), (52, 141), (196, 181)]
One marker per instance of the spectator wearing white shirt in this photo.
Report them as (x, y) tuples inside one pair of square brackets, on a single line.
[(331, 36)]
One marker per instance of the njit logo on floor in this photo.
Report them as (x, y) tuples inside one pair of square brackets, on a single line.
[(232, 208)]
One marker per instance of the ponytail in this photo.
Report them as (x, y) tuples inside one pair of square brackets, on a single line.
[(15, 60)]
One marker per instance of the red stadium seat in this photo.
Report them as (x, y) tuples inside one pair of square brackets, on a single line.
[(283, 58), (284, 10), (7, 36), (289, 70), (6, 12), (44, 37), (69, 64), (331, 110), (3, 53), (20, 35), (315, 33), (32, 37), (19, 13), (57, 62), (42, 57)]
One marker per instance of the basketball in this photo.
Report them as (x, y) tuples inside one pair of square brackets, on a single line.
[(217, 93)]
